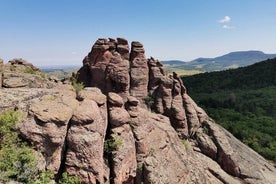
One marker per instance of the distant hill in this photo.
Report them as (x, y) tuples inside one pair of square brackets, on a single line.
[(258, 75), (228, 61), (241, 100), (60, 71), (173, 63)]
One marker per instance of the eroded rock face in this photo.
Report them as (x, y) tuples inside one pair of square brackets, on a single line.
[(46, 127), (139, 71), (107, 67), (85, 143), (124, 151)]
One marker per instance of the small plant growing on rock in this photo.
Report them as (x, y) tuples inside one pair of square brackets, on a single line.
[(78, 86), (149, 101), (29, 70), (44, 177), (112, 144), (186, 144), (206, 130), (66, 179)]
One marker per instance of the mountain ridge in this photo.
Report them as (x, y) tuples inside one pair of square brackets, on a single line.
[(231, 60)]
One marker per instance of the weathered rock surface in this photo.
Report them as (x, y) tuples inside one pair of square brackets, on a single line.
[(85, 142), (239, 160), (22, 62), (46, 126), (139, 71), (105, 67), (20, 73), (123, 150)]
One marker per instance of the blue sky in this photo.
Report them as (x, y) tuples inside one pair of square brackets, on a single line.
[(54, 32)]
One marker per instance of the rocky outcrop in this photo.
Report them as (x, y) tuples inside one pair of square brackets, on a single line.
[(149, 85), (139, 71), (22, 62), (108, 66), (105, 68), (106, 133), (146, 80), (20, 73)]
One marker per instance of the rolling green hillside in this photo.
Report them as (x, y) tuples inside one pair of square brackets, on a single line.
[(242, 100)]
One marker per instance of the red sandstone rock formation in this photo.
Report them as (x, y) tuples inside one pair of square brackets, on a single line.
[(108, 135)]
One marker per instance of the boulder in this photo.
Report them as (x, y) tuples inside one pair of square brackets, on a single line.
[(46, 128), (92, 93), (115, 100)]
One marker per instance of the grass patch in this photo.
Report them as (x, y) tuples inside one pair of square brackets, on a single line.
[(29, 70), (186, 144)]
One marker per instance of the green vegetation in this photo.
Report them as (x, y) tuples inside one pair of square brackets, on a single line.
[(17, 160), (182, 72), (186, 144), (76, 85), (66, 179), (60, 73), (44, 177), (256, 76), (112, 144), (242, 101), (29, 70), (34, 72), (149, 101)]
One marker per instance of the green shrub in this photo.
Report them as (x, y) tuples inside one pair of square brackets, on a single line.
[(66, 179), (149, 101), (76, 85), (44, 177), (112, 144), (42, 75), (29, 70), (17, 161), (186, 144)]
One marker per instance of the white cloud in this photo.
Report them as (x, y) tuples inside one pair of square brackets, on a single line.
[(225, 19), (73, 52), (228, 27)]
